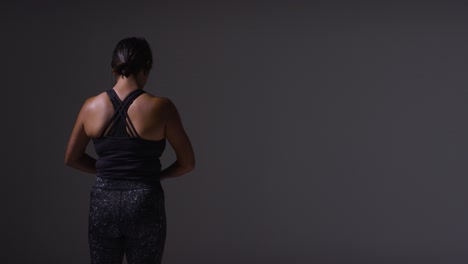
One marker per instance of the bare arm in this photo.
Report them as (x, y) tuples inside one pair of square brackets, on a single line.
[(75, 155), (177, 137)]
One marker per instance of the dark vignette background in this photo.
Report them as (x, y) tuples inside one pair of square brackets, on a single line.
[(328, 132)]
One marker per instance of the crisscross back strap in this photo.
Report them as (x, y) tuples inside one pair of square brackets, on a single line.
[(120, 121)]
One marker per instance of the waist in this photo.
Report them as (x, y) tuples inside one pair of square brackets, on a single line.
[(127, 184), (127, 168)]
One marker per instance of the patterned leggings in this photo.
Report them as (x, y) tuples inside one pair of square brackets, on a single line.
[(126, 217)]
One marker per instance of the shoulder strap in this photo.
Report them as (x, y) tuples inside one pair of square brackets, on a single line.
[(120, 112)]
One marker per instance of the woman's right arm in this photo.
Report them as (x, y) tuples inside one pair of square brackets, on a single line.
[(177, 137)]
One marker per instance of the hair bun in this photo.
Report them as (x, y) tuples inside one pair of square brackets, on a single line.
[(124, 69)]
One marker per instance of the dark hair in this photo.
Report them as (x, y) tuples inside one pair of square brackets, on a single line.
[(132, 55)]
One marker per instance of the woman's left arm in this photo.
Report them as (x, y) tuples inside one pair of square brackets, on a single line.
[(75, 155)]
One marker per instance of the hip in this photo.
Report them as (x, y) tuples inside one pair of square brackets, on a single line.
[(126, 185)]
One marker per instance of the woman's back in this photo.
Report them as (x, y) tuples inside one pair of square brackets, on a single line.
[(123, 153), (146, 113)]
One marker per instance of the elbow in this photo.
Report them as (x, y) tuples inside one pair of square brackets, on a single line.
[(189, 166), (192, 165), (68, 161)]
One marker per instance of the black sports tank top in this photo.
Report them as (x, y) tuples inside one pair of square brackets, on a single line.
[(122, 155)]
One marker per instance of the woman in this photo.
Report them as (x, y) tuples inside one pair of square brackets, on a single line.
[(129, 128)]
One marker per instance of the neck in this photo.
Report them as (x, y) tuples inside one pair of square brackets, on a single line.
[(126, 84)]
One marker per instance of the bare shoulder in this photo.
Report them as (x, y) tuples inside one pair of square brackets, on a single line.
[(160, 103), (95, 105), (169, 108), (156, 98), (95, 102)]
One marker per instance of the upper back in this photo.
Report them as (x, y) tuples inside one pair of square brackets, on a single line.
[(146, 113)]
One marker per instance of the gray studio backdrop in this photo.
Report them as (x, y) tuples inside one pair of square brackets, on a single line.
[(323, 133)]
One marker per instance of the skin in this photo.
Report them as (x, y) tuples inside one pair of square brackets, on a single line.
[(153, 117)]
